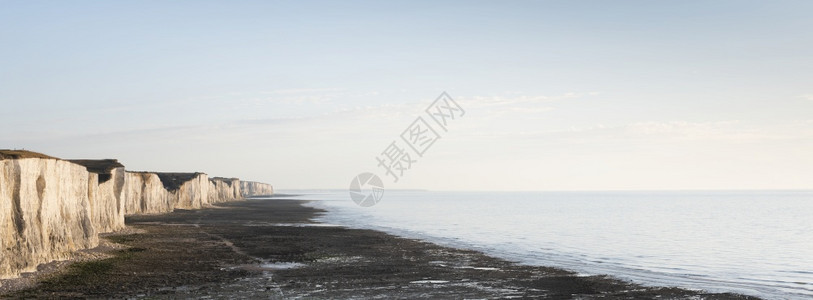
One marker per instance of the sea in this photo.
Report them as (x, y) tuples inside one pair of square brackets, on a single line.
[(756, 243)]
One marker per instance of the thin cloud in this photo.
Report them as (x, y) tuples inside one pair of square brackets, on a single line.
[(303, 91), (518, 105), (663, 131), (483, 101)]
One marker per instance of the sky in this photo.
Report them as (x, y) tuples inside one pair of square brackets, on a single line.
[(558, 95)]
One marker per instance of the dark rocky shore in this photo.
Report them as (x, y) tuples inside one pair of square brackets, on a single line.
[(271, 249)]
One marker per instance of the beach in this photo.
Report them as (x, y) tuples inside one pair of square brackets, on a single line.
[(273, 249)]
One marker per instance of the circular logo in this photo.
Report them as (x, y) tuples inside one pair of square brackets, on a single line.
[(366, 189)]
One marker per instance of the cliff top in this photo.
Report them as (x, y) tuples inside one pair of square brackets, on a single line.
[(103, 167), (19, 154), (224, 178), (98, 166), (174, 181), (228, 181)]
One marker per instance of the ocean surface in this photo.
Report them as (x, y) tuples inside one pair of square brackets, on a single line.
[(751, 242)]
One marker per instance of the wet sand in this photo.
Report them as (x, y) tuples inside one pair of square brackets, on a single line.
[(271, 249)]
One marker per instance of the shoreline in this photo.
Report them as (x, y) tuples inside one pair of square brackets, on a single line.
[(51, 208), (273, 249)]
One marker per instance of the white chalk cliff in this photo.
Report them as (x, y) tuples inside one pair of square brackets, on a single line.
[(224, 189), (50, 208), (251, 188)]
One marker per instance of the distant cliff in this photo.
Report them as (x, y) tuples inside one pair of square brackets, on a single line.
[(51, 207), (251, 188)]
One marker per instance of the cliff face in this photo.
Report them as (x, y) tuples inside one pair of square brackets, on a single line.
[(193, 193), (145, 194), (106, 184), (224, 190), (45, 212), (250, 188), (107, 201)]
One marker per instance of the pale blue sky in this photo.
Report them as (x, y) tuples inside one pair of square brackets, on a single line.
[(560, 95)]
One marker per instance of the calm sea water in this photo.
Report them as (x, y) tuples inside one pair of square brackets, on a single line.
[(755, 243)]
